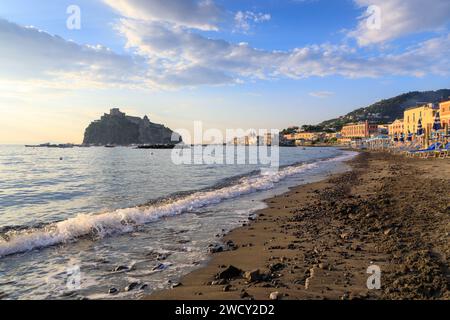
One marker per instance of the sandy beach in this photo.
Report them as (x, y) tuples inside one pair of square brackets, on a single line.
[(317, 241)]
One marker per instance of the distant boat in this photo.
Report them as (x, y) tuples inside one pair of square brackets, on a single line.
[(110, 146), (48, 145), (156, 146)]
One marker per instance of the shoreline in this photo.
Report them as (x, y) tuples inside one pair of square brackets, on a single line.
[(317, 240)]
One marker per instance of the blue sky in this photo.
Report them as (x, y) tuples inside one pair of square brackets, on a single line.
[(230, 64)]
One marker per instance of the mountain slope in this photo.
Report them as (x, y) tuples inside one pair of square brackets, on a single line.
[(386, 111)]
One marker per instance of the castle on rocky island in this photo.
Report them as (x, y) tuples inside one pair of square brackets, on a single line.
[(117, 128)]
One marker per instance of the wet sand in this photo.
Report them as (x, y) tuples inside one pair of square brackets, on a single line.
[(317, 241)]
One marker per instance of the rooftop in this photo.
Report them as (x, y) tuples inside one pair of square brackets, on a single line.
[(424, 105)]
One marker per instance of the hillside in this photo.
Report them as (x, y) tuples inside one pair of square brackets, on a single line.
[(386, 111)]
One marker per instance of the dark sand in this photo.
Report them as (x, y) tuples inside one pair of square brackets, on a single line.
[(317, 241)]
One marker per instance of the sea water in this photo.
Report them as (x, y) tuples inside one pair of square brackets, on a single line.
[(75, 223)]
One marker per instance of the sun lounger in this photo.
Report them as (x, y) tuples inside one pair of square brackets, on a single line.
[(424, 152), (444, 152)]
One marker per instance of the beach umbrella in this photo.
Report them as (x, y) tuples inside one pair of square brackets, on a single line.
[(437, 122), (410, 136), (402, 137), (437, 125), (419, 128), (396, 136)]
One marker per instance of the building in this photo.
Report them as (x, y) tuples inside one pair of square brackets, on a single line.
[(289, 137), (332, 135), (396, 128), (306, 136), (444, 110), (251, 139), (116, 112), (426, 113), (383, 129), (359, 130), (268, 139)]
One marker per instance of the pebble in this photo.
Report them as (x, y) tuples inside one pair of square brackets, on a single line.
[(323, 265), (131, 286), (252, 276), (229, 273), (113, 291), (120, 268), (275, 296), (144, 286)]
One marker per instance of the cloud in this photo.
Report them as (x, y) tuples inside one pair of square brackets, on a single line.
[(28, 54), (244, 20), (399, 18), (321, 94), (180, 57), (164, 55), (203, 15), (177, 55)]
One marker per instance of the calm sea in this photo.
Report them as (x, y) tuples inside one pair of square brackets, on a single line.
[(69, 217)]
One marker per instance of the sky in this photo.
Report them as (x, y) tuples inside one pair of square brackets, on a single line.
[(263, 64)]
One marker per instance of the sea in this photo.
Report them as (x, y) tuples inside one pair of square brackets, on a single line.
[(120, 223)]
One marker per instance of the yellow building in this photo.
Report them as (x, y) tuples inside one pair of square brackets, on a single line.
[(426, 113), (306, 136), (444, 110), (310, 136), (396, 128), (289, 137)]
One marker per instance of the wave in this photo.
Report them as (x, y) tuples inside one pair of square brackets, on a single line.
[(126, 220)]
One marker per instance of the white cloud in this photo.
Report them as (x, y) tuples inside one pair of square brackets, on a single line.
[(401, 17), (28, 54), (244, 20), (321, 94), (203, 15), (180, 57), (166, 55)]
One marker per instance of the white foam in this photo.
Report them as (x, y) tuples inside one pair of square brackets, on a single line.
[(125, 220)]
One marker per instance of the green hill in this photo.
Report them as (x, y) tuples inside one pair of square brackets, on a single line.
[(386, 111)]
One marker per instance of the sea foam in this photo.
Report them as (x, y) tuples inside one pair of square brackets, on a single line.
[(125, 220)]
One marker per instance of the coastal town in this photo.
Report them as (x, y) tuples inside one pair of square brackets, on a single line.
[(423, 129)]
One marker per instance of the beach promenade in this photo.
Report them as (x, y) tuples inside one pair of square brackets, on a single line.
[(318, 240)]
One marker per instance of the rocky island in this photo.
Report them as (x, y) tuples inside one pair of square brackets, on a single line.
[(117, 128)]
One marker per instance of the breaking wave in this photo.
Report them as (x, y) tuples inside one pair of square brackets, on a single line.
[(126, 220)]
